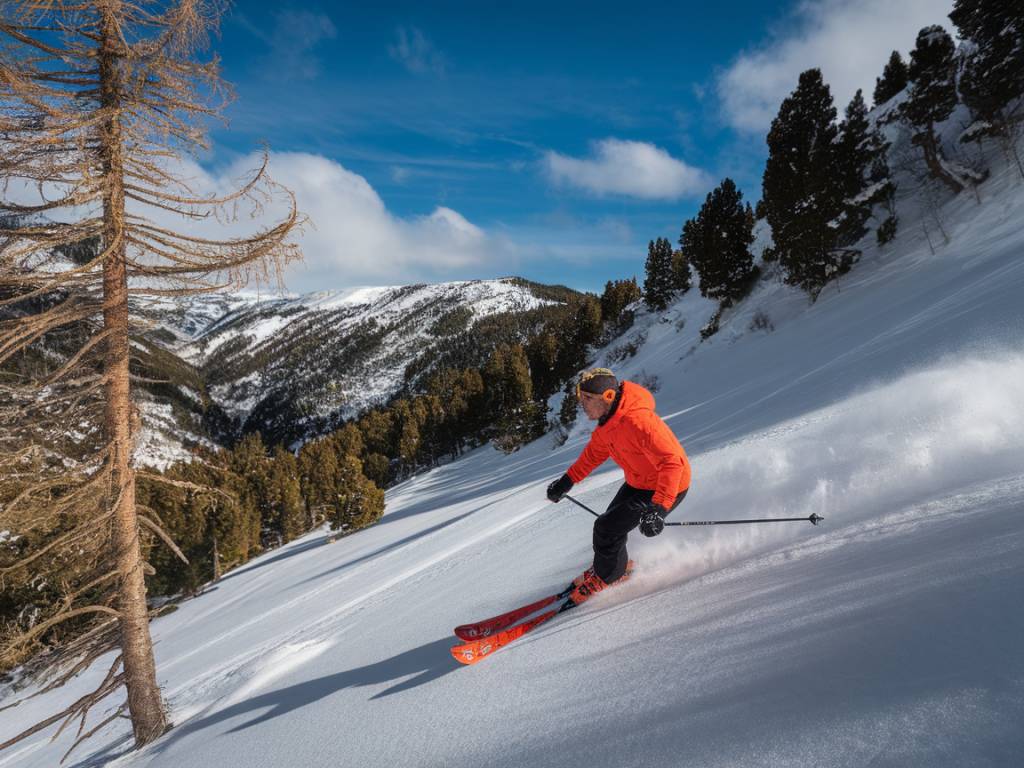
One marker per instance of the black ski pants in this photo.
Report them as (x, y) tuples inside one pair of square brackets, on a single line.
[(612, 529)]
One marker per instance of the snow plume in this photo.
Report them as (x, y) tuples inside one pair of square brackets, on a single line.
[(849, 40), (631, 168), (916, 438)]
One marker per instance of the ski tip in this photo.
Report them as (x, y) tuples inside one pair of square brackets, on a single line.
[(470, 653), (470, 632)]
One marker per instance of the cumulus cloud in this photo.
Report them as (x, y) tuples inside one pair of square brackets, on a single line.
[(351, 239), (355, 239), (416, 53), (849, 40), (631, 168)]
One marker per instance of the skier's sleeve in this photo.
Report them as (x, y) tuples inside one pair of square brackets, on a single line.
[(668, 457), (592, 457)]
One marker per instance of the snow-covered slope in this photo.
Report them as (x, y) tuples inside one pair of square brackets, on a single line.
[(891, 635)]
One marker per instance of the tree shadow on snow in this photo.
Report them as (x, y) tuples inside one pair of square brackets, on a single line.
[(499, 474), (112, 751), (408, 670), (283, 555), (383, 550)]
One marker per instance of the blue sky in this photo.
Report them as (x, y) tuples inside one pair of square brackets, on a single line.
[(439, 141)]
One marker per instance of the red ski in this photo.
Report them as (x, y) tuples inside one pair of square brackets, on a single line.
[(473, 651), (485, 637), (488, 627)]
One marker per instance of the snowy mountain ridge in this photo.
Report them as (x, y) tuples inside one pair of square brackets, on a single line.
[(326, 356), (295, 366)]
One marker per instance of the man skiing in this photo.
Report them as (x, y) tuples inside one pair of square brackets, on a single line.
[(655, 464)]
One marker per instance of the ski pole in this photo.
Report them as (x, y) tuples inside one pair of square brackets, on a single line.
[(813, 519), (580, 504)]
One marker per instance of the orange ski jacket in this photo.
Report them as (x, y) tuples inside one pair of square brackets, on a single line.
[(636, 439)]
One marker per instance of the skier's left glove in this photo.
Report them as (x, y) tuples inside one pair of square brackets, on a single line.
[(652, 519), (559, 488)]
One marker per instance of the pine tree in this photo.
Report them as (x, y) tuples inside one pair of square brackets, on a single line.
[(542, 353), (658, 284), (802, 192), (587, 323), (184, 523), (428, 412), (407, 437), (473, 413), (932, 98), (250, 463), (717, 243), (570, 404), (289, 511), (862, 168), (376, 427), (992, 79), (682, 277), (377, 468), (617, 296), (893, 80), (347, 441), (509, 395), (461, 392), (318, 466), (359, 502)]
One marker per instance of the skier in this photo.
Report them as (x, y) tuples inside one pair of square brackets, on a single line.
[(655, 464)]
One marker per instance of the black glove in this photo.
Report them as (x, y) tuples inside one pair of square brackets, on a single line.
[(559, 488), (652, 519)]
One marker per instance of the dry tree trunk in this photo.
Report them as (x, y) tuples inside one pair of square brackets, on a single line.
[(144, 701), (100, 98)]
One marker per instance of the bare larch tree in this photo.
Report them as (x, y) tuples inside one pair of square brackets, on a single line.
[(101, 103)]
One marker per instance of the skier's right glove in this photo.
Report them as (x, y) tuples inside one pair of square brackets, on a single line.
[(559, 488), (652, 519)]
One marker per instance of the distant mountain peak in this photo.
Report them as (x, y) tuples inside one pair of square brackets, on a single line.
[(293, 366)]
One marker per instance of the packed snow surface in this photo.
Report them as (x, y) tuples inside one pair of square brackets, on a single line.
[(890, 635)]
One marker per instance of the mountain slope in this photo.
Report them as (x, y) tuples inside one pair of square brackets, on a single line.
[(295, 367), (216, 365)]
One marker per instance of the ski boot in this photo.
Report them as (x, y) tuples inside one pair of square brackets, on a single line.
[(588, 584)]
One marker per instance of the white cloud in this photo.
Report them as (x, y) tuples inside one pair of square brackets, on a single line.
[(355, 239), (413, 50), (632, 168), (849, 40), (352, 238)]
